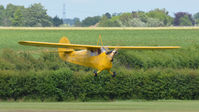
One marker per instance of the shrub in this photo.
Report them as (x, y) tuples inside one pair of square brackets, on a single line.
[(64, 85)]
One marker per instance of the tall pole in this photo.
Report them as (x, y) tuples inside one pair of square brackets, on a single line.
[(64, 11)]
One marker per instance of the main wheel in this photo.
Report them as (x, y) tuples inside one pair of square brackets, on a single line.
[(114, 74), (95, 73)]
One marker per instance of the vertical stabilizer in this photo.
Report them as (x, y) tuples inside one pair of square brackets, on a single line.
[(64, 51)]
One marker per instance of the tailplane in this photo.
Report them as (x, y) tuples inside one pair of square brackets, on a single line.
[(64, 51)]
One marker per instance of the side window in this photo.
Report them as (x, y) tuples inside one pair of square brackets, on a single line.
[(99, 51), (95, 52), (92, 53)]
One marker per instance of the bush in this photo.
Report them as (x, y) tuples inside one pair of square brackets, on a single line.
[(64, 85), (183, 19), (136, 22), (152, 22), (109, 23)]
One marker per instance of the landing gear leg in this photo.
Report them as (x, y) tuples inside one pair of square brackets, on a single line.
[(114, 74), (96, 73)]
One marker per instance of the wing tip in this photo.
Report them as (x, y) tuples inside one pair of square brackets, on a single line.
[(176, 47), (21, 42)]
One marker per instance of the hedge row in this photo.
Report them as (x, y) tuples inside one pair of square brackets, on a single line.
[(65, 85)]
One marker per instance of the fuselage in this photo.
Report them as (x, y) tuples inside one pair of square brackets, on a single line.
[(100, 61)]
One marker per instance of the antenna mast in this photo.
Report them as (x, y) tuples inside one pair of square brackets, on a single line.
[(64, 11)]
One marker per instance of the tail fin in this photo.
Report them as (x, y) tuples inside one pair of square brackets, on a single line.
[(63, 51)]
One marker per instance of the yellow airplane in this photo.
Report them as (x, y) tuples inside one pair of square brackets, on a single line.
[(97, 57)]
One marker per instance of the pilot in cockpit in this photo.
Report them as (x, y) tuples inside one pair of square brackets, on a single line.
[(97, 52)]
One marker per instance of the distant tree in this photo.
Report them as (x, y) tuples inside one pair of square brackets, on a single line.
[(136, 22), (1, 8), (108, 15), (76, 19), (142, 19), (47, 21), (105, 22), (77, 22), (2, 15), (89, 21), (141, 15), (134, 12), (196, 17), (10, 9), (110, 23), (17, 19), (183, 19), (36, 15), (161, 15), (197, 22), (125, 19), (71, 22), (153, 22), (9, 13), (57, 21)]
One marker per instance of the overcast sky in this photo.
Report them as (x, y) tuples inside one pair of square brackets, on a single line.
[(84, 8)]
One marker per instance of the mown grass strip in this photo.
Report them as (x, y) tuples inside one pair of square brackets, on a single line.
[(118, 106)]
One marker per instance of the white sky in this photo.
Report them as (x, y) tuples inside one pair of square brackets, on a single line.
[(84, 8)]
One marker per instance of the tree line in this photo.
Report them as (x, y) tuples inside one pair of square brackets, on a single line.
[(153, 18), (36, 16), (33, 16)]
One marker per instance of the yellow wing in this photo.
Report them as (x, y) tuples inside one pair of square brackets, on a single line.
[(79, 46), (58, 45)]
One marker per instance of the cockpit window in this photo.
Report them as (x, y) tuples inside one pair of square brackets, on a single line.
[(93, 53), (98, 51), (103, 49)]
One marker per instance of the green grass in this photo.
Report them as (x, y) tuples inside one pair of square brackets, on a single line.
[(118, 106), (181, 37), (188, 39)]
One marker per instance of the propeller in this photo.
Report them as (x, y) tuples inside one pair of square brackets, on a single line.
[(112, 53)]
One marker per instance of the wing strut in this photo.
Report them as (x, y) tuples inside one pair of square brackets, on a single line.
[(100, 38)]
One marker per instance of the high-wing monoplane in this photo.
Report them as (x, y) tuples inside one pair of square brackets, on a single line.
[(94, 56)]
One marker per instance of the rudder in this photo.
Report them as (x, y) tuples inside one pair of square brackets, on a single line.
[(63, 51)]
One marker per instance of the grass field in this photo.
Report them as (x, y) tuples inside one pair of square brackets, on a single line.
[(187, 57), (118, 106), (182, 37), (186, 37)]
